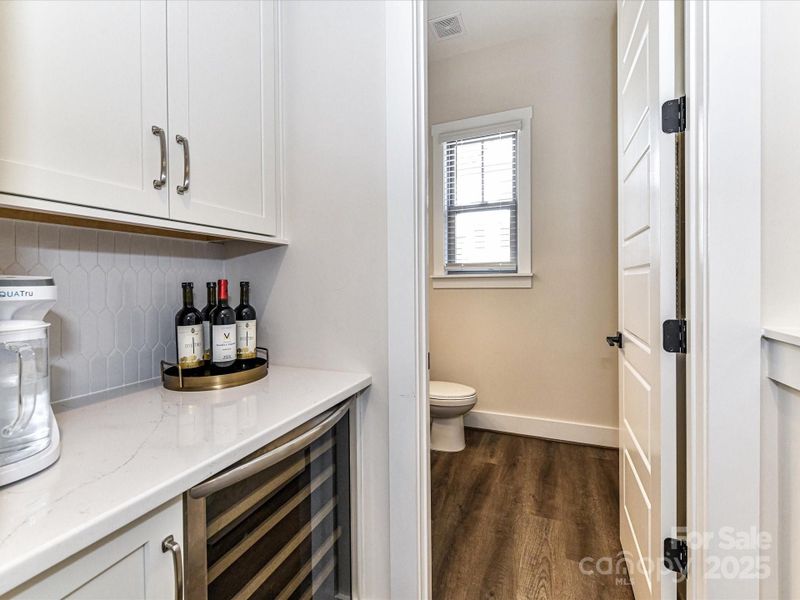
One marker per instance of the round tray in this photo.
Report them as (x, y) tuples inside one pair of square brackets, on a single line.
[(173, 378)]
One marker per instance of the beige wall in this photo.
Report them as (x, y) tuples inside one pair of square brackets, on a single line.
[(541, 352), (780, 203)]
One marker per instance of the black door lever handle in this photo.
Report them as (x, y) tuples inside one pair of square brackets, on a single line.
[(614, 340)]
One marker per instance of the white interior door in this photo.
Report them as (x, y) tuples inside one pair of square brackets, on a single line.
[(222, 99), (647, 379), (81, 86)]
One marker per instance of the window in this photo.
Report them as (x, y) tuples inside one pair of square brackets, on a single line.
[(482, 201)]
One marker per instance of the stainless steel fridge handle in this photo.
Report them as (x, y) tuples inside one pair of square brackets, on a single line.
[(170, 545), (186, 170), (162, 138), (270, 458)]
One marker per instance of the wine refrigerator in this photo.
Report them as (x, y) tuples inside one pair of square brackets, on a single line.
[(277, 524)]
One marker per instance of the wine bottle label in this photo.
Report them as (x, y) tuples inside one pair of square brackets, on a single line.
[(246, 339), (190, 346), (206, 340), (223, 341)]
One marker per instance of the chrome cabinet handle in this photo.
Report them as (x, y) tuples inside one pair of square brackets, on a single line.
[(270, 458), (185, 143), (170, 545), (162, 138)]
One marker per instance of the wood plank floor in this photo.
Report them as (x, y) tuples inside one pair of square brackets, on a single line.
[(514, 516)]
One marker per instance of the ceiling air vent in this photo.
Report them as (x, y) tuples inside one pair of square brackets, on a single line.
[(447, 27)]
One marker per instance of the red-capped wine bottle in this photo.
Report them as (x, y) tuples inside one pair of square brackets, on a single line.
[(211, 294), (223, 332), (245, 328), (189, 334)]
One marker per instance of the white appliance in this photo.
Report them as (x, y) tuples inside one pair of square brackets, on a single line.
[(29, 438)]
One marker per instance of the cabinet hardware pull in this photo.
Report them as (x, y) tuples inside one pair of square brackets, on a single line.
[(272, 457), (170, 545), (162, 138), (185, 143)]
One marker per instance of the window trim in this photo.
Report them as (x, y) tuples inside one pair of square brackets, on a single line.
[(484, 125)]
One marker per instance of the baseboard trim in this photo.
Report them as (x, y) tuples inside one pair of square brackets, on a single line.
[(552, 429)]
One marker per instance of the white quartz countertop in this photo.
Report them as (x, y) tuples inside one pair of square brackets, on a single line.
[(127, 454)]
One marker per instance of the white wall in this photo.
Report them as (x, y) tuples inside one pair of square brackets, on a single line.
[(540, 353), (322, 301), (781, 286)]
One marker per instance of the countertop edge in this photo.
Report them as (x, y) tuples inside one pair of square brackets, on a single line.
[(56, 550), (788, 335)]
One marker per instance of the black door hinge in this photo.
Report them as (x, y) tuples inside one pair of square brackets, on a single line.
[(673, 115), (676, 555), (675, 337), (615, 340)]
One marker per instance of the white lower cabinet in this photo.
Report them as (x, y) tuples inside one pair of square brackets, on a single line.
[(133, 563)]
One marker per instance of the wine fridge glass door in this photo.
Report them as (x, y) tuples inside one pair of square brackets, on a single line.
[(279, 532)]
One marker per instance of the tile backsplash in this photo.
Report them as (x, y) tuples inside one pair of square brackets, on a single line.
[(117, 297)]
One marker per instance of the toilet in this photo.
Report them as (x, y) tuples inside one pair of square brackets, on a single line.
[(449, 403)]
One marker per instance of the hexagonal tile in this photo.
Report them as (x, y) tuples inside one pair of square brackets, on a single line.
[(79, 291), (98, 373), (145, 364), (122, 250), (129, 279), (105, 250), (122, 324), (114, 290), (137, 328), (150, 327), (7, 244), (138, 251), (117, 296), (106, 338), (116, 369), (158, 289), (130, 366), (48, 245), (27, 236), (143, 289), (97, 289), (88, 339), (164, 254), (166, 325), (151, 254), (87, 248), (68, 248), (79, 376)]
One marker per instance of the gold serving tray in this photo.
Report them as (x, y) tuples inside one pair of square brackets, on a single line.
[(172, 376)]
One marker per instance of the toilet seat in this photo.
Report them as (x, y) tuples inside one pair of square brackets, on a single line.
[(447, 392)]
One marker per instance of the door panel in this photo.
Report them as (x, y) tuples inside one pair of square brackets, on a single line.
[(222, 73), (81, 86), (646, 78)]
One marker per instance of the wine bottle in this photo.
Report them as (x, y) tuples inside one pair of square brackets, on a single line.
[(223, 332), (245, 328), (189, 334), (211, 294)]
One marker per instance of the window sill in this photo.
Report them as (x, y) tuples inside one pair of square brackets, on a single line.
[(497, 281)]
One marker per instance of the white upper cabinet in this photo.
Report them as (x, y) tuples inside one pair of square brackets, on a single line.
[(222, 102), (81, 86)]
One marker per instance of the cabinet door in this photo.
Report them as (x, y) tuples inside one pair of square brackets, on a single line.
[(81, 86), (130, 564), (222, 99)]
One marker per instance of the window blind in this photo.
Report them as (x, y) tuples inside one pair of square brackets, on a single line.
[(480, 187)]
